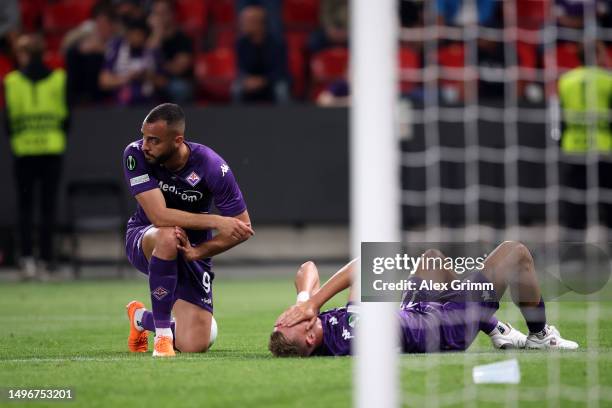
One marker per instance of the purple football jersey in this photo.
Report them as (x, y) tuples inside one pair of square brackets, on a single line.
[(338, 327), (205, 179)]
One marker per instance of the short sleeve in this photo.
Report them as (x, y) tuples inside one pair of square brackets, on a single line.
[(222, 183), (136, 170)]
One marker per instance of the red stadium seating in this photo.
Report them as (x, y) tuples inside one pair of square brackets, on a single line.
[(296, 52), (215, 71), (6, 66), (568, 56), (527, 55), (54, 59), (452, 56), (408, 59), (531, 14), (301, 14), (31, 14), (326, 67), (223, 12), (225, 38), (192, 16), (61, 16)]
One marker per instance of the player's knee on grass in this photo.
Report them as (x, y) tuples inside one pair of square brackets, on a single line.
[(193, 343), (196, 340)]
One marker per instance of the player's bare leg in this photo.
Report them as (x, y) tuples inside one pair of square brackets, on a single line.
[(511, 265), (193, 327)]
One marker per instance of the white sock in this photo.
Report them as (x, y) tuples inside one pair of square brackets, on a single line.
[(138, 318), (166, 332)]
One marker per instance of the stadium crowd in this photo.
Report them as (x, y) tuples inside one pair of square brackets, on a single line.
[(131, 52)]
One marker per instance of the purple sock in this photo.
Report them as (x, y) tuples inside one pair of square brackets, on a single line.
[(535, 316), (489, 325), (162, 282), (148, 323)]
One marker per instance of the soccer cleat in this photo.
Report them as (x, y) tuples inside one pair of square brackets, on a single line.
[(506, 337), (164, 346), (549, 338), (138, 341)]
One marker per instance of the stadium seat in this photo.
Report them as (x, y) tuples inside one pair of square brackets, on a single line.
[(31, 14), (6, 66), (568, 56), (61, 16), (223, 12), (531, 14), (326, 67), (296, 51), (225, 38), (301, 14), (408, 60), (452, 56), (192, 16), (54, 59), (215, 71)]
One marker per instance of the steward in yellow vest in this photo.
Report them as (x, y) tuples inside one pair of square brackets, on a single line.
[(36, 120), (586, 99)]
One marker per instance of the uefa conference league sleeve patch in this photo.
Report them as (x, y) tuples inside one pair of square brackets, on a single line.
[(132, 164)]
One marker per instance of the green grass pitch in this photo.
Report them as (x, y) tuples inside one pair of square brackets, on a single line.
[(73, 335)]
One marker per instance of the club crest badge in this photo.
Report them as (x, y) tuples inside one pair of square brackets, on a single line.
[(193, 179), (160, 292)]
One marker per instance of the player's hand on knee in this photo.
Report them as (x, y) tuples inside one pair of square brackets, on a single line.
[(184, 246), (298, 313), (233, 227)]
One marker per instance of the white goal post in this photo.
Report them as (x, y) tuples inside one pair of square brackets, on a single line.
[(375, 188)]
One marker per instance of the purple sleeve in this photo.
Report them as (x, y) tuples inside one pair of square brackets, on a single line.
[(221, 182), (110, 57), (136, 170)]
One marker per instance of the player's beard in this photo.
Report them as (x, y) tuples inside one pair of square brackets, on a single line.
[(163, 157)]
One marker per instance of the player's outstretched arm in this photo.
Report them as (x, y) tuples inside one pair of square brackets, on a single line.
[(220, 243), (154, 205), (309, 309)]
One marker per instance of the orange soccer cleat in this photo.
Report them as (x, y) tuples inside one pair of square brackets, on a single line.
[(164, 346), (138, 341)]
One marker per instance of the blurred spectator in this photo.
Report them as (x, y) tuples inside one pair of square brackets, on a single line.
[(37, 118), (85, 47), (262, 61), (9, 24), (570, 13), (274, 19), (411, 13), (491, 63), (337, 94), (460, 13), (585, 94), (175, 51), (130, 68), (129, 10), (334, 26)]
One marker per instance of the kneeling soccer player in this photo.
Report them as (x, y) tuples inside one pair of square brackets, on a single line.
[(175, 183), (430, 321)]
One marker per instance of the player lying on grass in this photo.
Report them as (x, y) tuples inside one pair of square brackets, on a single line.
[(175, 183), (429, 321)]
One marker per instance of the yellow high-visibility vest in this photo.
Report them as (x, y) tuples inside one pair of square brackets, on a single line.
[(586, 96), (37, 111)]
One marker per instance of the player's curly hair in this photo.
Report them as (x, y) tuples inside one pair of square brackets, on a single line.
[(280, 346)]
